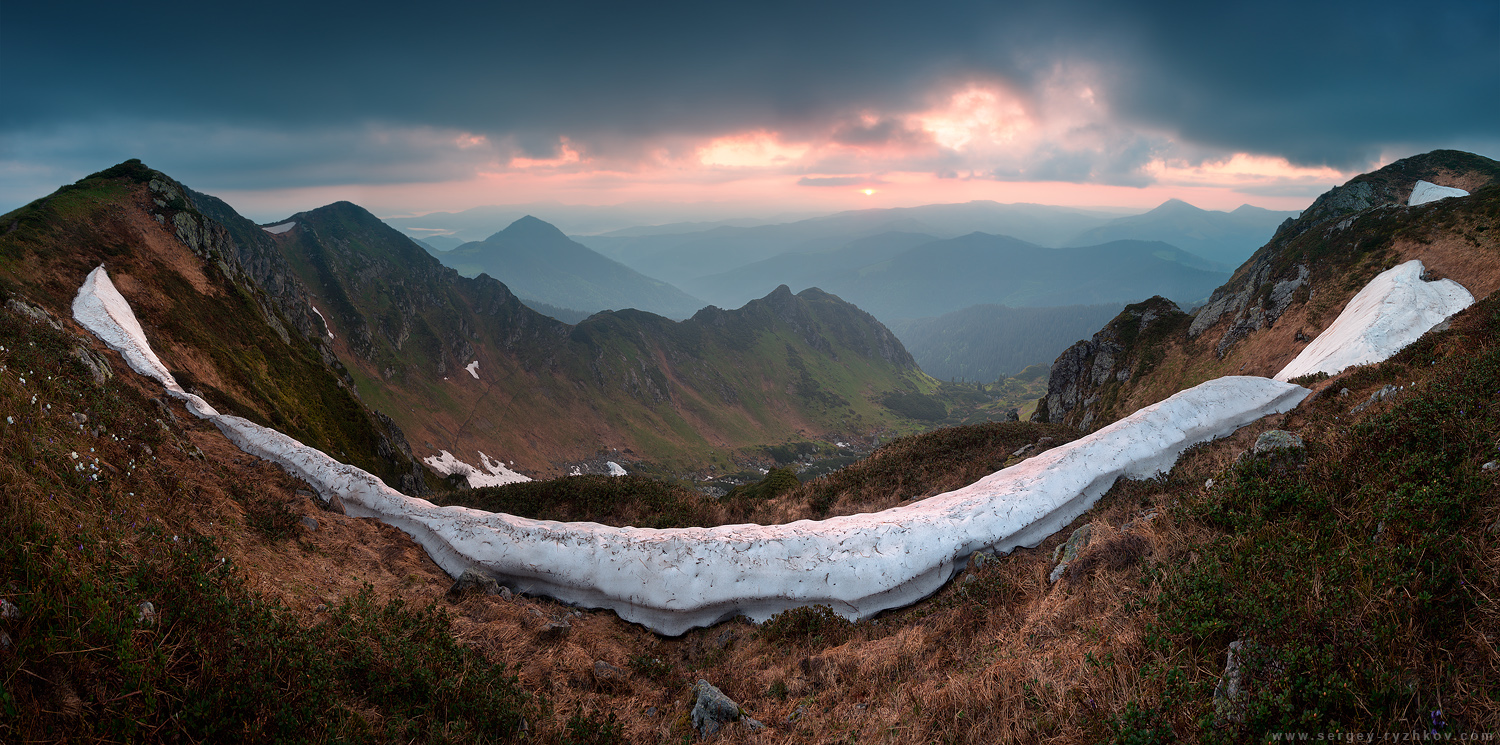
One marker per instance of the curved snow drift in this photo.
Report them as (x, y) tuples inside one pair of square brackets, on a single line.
[(1392, 311), (675, 580)]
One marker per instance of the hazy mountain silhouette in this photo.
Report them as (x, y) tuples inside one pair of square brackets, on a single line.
[(538, 262), (1225, 238)]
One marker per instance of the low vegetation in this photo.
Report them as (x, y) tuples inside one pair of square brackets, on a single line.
[(122, 620)]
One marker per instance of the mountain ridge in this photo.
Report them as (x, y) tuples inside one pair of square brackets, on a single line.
[(720, 381)]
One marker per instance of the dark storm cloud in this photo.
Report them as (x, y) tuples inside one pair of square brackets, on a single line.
[(1316, 82), (258, 158), (881, 132)]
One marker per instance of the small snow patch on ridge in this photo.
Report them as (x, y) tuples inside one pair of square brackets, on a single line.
[(473, 368), (279, 229), (1426, 191), (614, 468)]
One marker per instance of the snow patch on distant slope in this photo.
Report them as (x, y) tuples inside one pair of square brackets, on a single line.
[(279, 229), (1426, 191), (326, 327), (1392, 311), (614, 468), (473, 368), (447, 464)]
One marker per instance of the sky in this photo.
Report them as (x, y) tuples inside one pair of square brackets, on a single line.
[(733, 110)]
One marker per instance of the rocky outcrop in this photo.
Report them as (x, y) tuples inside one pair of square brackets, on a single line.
[(474, 580), (1084, 374), (1068, 550), (1253, 301), (1279, 274)]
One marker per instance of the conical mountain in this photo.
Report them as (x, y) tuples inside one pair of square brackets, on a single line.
[(539, 263)]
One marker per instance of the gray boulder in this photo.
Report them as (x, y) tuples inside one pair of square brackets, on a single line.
[(712, 710), (1066, 552), (1229, 705), (473, 579), (1273, 441), (96, 364), (1384, 393), (1282, 449)]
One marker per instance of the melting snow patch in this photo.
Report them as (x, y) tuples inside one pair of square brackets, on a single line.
[(446, 464), (614, 468), (1426, 191), (1392, 311), (282, 228), (473, 368)]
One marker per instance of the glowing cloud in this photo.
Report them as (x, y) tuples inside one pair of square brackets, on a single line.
[(975, 115), (759, 149), (1239, 168)]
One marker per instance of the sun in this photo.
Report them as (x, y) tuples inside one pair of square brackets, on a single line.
[(868, 192)]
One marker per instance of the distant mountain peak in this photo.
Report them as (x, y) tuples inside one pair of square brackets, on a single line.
[(532, 227), (1176, 205)]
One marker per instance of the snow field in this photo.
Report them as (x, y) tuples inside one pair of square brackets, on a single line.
[(326, 327)]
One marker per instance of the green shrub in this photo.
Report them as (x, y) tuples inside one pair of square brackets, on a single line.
[(811, 624)]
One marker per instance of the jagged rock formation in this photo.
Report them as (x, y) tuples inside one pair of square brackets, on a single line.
[(1261, 291), (1085, 374)]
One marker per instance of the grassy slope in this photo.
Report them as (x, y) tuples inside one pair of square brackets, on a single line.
[(207, 326), (97, 519)]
